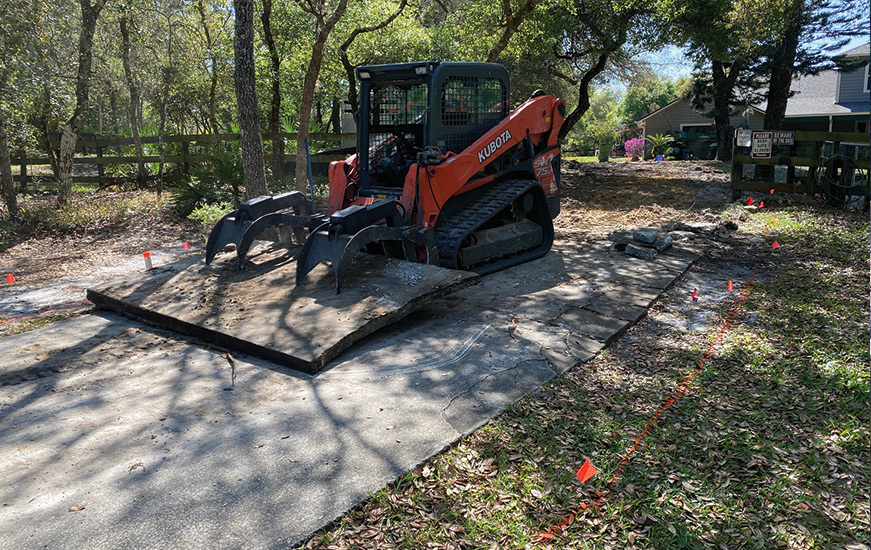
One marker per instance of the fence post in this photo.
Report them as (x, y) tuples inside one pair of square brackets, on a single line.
[(101, 168), (737, 169), (816, 152), (23, 172), (185, 151)]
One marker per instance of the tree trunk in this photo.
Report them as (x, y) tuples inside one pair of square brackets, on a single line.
[(512, 25), (782, 69), (336, 116), (305, 109), (275, 104), (213, 82), (80, 115), (723, 82), (113, 111), (322, 33), (164, 100), (343, 53), (141, 174), (253, 170), (53, 156), (7, 184), (584, 93)]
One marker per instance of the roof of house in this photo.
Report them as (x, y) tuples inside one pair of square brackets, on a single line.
[(658, 110), (676, 101), (859, 51), (815, 96), (812, 95)]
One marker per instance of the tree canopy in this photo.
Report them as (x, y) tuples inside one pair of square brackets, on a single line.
[(167, 67)]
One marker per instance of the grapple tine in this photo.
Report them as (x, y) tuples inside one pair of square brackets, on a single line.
[(366, 236), (340, 250), (228, 230), (242, 226), (259, 225), (319, 242)]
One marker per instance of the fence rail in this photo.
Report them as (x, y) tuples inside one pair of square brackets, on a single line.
[(99, 146), (806, 152)]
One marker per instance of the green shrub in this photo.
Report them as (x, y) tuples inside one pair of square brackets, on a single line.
[(209, 214), (659, 142), (191, 194), (217, 181)]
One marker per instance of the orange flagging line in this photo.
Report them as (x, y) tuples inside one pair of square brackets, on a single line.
[(83, 303), (681, 390)]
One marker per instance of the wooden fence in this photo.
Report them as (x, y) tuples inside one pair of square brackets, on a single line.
[(92, 152), (807, 152)]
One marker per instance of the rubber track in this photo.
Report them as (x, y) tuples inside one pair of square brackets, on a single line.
[(457, 227)]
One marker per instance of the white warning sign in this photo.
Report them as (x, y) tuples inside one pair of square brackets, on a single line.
[(760, 145)]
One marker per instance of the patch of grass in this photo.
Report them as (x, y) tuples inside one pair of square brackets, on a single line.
[(769, 449), (587, 159), (8, 327)]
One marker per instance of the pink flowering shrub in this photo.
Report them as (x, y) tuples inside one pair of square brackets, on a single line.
[(634, 147)]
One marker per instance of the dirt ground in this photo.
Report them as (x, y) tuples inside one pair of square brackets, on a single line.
[(600, 200), (603, 198)]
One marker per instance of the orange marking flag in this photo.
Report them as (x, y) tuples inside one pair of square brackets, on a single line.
[(587, 471), (9, 278)]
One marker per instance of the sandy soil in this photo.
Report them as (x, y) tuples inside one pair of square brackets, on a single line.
[(600, 200)]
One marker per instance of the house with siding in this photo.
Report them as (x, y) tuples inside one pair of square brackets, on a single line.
[(833, 101)]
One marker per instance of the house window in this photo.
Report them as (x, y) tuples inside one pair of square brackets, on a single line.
[(867, 79), (862, 126)]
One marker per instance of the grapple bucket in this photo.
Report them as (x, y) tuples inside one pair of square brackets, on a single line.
[(242, 226), (340, 249), (357, 228)]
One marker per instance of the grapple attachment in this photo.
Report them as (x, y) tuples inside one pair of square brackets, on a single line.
[(242, 226), (356, 228)]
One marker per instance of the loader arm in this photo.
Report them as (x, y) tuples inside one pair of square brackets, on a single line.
[(539, 119)]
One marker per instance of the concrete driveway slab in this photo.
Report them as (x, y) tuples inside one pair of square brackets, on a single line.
[(119, 435)]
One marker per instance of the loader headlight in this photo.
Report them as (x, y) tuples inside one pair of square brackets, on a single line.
[(364, 74), (420, 70)]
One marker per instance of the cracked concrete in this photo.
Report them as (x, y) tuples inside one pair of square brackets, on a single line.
[(137, 425)]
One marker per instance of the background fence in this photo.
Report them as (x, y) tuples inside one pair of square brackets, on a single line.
[(808, 165), (184, 150)]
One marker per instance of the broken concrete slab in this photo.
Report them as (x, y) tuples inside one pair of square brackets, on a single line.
[(593, 324), (141, 430), (640, 252), (262, 312)]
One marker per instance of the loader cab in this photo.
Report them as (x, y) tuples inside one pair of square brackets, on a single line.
[(409, 106)]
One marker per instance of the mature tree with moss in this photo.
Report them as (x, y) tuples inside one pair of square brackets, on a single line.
[(253, 169), (716, 35), (90, 13), (596, 36)]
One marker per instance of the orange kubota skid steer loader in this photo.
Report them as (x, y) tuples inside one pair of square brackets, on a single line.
[(445, 173)]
